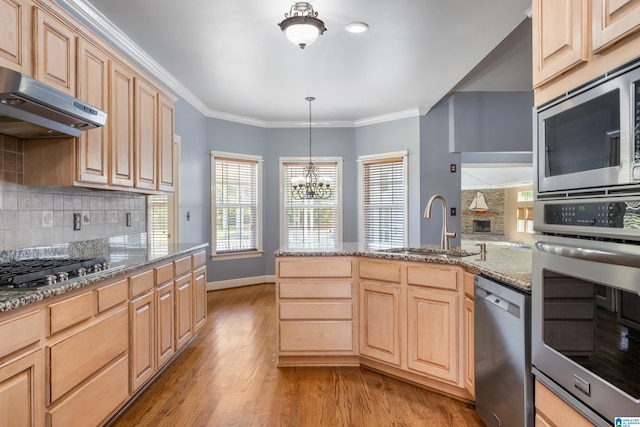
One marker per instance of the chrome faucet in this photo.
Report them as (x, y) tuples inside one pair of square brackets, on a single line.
[(446, 235)]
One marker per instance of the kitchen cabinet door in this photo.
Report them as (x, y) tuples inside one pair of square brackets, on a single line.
[(613, 20), (380, 321), (121, 114), (55, 52), (199, 298), (469, 344), (433, 335), (146, 141), (93, 81), (142, 345), (22, 391), (560, 37), (165, 328), (165, 143), (184, 309), (14, 35)]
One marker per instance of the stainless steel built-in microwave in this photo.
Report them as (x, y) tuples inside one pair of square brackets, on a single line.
[(589, 139)]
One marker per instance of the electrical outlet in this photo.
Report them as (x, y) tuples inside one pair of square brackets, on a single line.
[(77, 221), (128, 219), (453, 168), (454, 211)]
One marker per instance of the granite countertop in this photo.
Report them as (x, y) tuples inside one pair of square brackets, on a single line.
[(125, 254), (506, 265)]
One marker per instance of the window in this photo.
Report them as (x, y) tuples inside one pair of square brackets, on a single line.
[(383, 200), (236, 205), (311, 223), (158, 223)]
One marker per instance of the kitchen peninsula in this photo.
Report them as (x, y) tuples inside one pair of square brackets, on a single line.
[(82, 348), (406, 312)]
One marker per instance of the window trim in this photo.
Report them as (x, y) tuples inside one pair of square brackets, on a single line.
[(405, 210), (305, 160), (259, 240)]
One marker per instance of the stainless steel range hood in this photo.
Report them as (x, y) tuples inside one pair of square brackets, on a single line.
[(31, 109)]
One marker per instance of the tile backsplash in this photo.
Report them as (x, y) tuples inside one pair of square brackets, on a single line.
[(36, 216)]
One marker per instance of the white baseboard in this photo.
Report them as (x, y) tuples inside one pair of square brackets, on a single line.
[(236, 283)]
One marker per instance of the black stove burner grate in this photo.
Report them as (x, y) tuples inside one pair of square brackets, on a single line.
[(34, 273)]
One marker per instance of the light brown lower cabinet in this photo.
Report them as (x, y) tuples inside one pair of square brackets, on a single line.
[(22, 390), (551, 411), (380, 321), (142, 348), (412, 319), (165, 334), (77, 358), (316, 312), (433, 333), (184, 309), (199, 297)]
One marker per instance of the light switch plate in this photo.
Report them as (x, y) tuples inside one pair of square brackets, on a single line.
[(77, 221)]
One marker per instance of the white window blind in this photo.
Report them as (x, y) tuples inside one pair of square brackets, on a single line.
[(384, 202), (236, 204), (315, 222), (158, 223)]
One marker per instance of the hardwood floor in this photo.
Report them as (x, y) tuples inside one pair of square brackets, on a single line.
[(228, 377)]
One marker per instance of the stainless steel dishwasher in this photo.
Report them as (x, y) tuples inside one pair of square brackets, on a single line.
[(504, 382)]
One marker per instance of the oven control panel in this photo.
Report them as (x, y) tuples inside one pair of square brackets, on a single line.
[(605, 214)]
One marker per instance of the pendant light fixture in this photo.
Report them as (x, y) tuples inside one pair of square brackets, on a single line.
[(310, 185), (301, 25)]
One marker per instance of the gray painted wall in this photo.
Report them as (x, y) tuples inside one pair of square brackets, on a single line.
[(490, 121), (435, 175)]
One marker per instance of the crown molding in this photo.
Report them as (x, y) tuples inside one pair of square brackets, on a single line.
[(414, 112), (112, 34)]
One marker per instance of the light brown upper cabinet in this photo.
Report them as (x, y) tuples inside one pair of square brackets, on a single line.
[(613, 20), (165, 142), (14, 35), (93, 145), (576, 41), (146, 104), (122, 124), (55, 52)]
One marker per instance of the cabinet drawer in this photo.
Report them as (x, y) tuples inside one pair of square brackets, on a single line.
[(199, 259), (69, 312), (74, 359), (549, 407), (433, 277), (316, 268), (384, 271), (316, 310), (141, 283), (112, 295), (182, 265), (19, 332), (316, 336), (316, 289), (164, 273), (94, 401)]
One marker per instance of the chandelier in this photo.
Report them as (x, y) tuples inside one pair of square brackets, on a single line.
[(310, 185), (301, 25)]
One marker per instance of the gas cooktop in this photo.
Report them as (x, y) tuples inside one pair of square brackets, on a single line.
[(39, 272)]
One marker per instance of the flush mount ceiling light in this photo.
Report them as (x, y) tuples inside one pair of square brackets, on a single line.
[(356, 27), (301, 25)]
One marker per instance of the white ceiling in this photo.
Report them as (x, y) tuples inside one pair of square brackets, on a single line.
[(232, 61), (485, 176)]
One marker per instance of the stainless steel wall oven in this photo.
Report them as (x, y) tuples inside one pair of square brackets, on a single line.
[(586, 304)]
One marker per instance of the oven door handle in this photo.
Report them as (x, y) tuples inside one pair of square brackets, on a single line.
[(594, 255)]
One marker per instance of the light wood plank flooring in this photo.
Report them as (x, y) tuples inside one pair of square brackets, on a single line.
[(228, 377)]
